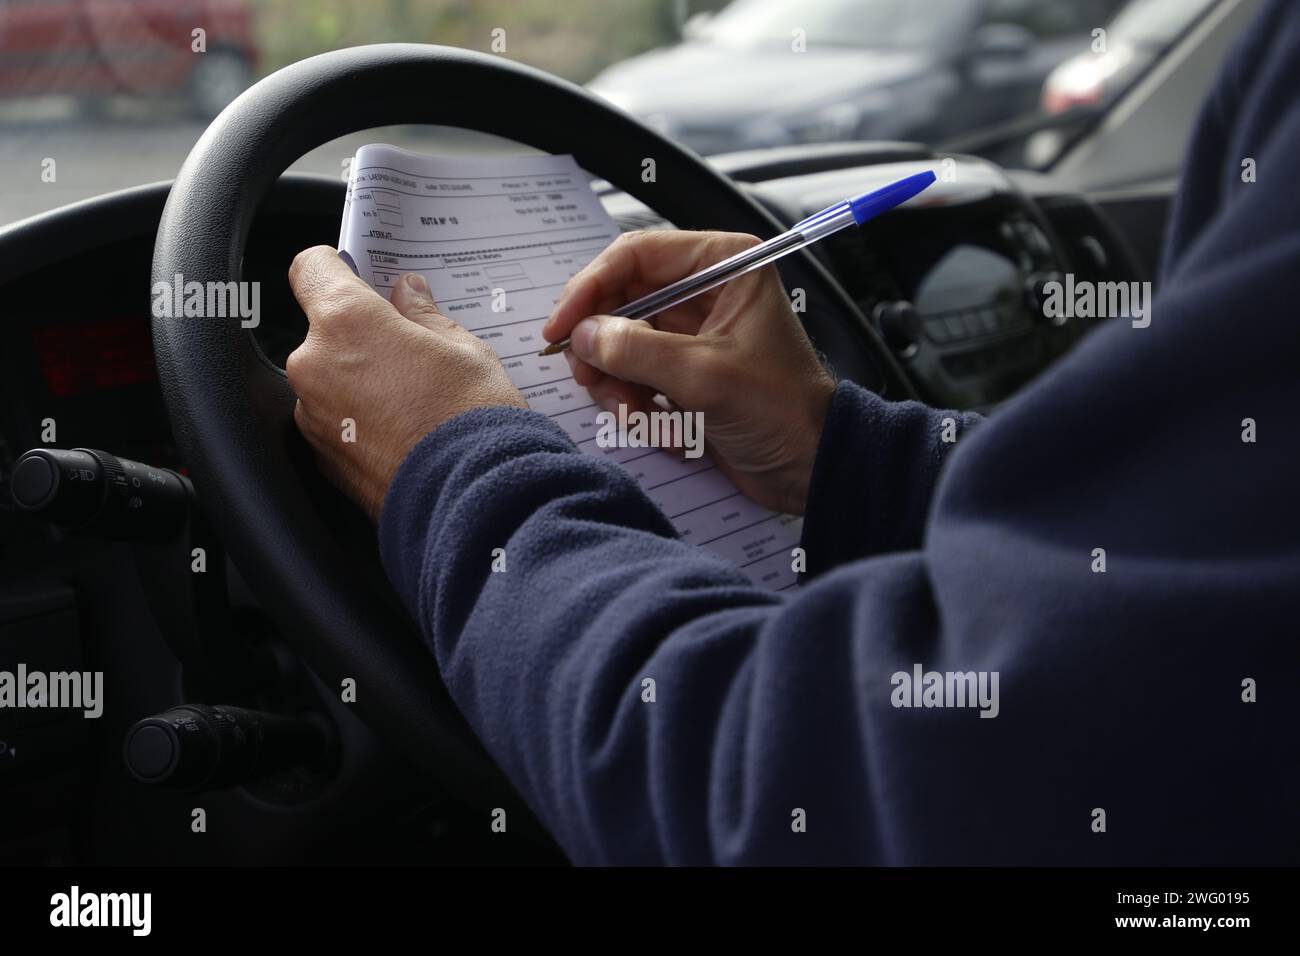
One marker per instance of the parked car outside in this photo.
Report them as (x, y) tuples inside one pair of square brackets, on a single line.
[(765, 73)]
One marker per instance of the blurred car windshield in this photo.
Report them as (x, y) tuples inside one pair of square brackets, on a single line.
[(1156, 21), (890, 24), (99, 95)]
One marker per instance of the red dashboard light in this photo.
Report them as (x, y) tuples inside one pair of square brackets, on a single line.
[(78, 357)]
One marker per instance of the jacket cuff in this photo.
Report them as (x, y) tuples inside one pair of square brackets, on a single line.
[(467, 447), (874, 476)]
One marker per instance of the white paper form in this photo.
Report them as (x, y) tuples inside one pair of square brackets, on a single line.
[(497, 238)]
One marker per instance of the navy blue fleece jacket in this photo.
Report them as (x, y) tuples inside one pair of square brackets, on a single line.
[(773, 736)]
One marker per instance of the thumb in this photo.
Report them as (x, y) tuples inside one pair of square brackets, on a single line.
[(412, 297), (635, 351)]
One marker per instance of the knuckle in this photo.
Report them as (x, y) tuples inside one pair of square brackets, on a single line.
[(305, 258), (298, 264), (615, 344), (297, 366), (331, 309), (633, 243), (427, 311), (626, 239), (335, 308)]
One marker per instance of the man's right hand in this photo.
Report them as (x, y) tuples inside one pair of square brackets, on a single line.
[(737, 354)]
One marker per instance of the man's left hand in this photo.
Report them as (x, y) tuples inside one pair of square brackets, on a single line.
[(374, 377)]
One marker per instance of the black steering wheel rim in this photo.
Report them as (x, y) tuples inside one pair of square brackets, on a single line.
[(231, 409)]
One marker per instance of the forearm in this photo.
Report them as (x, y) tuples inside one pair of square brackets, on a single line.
[(546, 655), (593, 595), (776, 730)]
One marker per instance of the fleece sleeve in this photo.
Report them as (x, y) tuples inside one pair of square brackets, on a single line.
[(877, 466), (647, 699)]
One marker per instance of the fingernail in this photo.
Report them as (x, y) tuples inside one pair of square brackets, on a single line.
[(417, 283), (571, 359), (582, 338)]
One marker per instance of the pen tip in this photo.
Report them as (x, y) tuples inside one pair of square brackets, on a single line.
[(555, 348)]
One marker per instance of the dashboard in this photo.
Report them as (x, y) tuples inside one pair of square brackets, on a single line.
[(951, 281)]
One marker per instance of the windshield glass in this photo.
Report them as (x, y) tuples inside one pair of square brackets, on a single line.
[(99, 95), (849, 23), (1156, 21)]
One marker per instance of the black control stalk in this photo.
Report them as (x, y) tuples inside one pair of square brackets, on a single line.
[(198, 747), (95, 492)]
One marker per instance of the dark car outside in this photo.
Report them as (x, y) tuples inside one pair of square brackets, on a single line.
[(763, 73)]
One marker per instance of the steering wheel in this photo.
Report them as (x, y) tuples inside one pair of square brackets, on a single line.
[(231, 409)]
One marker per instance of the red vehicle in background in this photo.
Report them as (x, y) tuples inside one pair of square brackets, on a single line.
[(93, 49)]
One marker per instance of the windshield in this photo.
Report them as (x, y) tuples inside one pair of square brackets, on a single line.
[(1156, 21), (99, 95), (890, 24)]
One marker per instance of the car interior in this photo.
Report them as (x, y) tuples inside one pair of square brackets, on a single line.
[(246, 597)]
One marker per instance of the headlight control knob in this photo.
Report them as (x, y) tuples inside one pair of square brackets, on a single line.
[(84, 489)]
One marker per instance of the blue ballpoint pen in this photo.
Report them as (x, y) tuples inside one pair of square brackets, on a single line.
[(841, 215)]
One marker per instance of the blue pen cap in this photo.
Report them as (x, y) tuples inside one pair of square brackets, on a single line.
[(872, 204)]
